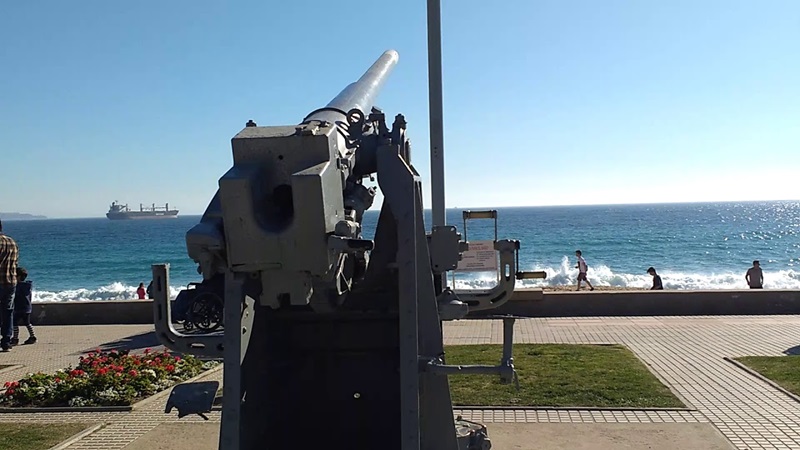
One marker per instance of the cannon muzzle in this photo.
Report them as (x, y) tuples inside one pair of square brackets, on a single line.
[(359, 95)]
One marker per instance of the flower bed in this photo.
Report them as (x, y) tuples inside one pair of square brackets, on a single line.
[(114, 378)]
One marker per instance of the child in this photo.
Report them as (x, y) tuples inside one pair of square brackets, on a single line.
[(23, 307)]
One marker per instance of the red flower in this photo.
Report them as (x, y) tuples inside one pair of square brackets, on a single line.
[(132, 373), (8, 383), (147, 350), (10, 392), (170, 368), (102, 371), (58, 380), (177, 358)]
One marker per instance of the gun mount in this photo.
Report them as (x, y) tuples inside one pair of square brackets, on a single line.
[(330, 340)]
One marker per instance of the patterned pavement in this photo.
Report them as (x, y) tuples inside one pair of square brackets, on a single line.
[(686, 353)]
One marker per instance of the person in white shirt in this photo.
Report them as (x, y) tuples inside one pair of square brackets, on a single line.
[(582, 268)]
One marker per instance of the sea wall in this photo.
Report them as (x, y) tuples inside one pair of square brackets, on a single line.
[(535, 303), (526, 302)]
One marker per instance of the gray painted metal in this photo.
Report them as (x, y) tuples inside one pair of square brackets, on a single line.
[(360, 95), (196, 344), (321, 325), (436, 111)]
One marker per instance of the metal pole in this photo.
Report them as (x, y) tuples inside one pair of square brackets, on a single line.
[(436, 113)]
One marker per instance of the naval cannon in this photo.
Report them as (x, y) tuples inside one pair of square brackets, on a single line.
[(330, 340)]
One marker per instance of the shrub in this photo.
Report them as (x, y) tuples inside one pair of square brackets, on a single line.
[(113, 378)]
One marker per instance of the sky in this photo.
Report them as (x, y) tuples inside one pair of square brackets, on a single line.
[(545, 102)]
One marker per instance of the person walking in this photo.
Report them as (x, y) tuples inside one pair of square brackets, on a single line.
[(657, 285), (582, 269), (23, 307), (754, 276), (9, 256)]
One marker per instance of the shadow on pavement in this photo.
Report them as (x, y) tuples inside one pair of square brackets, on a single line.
[(792, 350), (135, 343)]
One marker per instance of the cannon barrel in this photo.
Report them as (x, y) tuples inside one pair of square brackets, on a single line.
[(359, 95)]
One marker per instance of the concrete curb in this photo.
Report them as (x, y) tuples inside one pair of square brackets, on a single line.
[(64, 409), (762, 378), (97, 409), (11, 367), (77, 437), (568, 408)]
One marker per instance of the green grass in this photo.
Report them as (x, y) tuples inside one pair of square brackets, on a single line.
[(783, 370), (28, 436), (559, 375)]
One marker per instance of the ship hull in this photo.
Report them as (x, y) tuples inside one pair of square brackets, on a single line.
[(140, 215)]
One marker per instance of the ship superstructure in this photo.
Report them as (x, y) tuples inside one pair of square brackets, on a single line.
[(118, 211)]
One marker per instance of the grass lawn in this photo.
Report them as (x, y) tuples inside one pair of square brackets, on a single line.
[(559, 375), (783, 370), (15, 436)]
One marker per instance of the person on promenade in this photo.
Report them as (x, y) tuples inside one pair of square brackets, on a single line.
[(141, 291), (657, 285), (754, 276), (582, 268), (9, 255), (23, 306)]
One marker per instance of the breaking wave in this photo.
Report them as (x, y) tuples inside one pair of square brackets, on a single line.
[(562, 275), (600, 275), (114, 291)]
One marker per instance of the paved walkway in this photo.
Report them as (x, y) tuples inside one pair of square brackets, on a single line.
[(686, 353)]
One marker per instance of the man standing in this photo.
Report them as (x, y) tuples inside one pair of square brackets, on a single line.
[(9, 255), (656, 279), (754, 276), (582, 269)]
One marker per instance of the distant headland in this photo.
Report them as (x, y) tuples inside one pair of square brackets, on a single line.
[(19, 216)]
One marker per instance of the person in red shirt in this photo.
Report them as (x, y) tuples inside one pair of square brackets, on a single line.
[(141, 291)]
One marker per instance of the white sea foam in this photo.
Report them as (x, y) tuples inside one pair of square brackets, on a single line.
[(562, 275), (114, 291), (601, 275)]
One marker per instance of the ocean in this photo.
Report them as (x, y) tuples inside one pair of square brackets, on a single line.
[(693, 246)]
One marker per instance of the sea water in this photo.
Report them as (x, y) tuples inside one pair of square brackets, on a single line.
[(693, 246)]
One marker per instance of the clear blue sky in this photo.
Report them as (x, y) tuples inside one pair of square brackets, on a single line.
[(546, 102)]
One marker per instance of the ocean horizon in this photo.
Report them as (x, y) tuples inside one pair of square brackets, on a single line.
[(702, 245)]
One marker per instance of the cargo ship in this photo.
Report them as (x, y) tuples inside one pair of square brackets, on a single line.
[(121, 212)]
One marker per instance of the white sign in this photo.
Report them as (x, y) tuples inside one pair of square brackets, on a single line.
[(481, 257)]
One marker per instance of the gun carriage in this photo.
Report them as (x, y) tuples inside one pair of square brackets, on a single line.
[(331, 340)]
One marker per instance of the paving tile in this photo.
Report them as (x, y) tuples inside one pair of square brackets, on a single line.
[(685, 353)]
